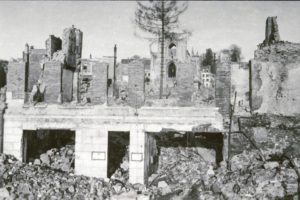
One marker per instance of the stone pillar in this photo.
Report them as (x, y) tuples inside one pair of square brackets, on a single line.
[(137, 155), (272, 32), (225, 146), (91, 152), (12, 143)]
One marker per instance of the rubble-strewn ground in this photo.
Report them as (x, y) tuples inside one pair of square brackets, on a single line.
[(183, 173)]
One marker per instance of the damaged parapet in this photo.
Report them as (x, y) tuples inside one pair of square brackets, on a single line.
[(272, 32), (53, 44)]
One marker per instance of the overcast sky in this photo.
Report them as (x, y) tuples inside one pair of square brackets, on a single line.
[(214, 24)]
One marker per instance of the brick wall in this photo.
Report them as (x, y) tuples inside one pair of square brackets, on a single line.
[(16, 79), (97, 92), (136, 84), (52, 80), (223, 84)]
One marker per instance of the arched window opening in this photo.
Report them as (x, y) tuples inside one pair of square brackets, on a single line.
[(172, 70), (172, 50)]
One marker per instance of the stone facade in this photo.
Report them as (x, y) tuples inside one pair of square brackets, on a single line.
[(52, 79), (274, 82), (223, 88), (91, 125), (75, 97), (16, 79)]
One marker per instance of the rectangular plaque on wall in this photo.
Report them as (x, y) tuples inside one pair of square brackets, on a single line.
[(98, 155), (136, 156)]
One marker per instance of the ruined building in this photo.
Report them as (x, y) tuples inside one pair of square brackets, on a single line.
[(56, 96)]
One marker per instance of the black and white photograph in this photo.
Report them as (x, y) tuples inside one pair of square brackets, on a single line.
[(149, 100)]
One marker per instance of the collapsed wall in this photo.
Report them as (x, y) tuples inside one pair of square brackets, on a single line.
[(275, 71)]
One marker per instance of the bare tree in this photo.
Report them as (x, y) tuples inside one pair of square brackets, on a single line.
[(160, 18)]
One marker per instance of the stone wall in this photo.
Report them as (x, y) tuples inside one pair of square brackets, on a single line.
[(53, 44), (223, 85), (136, 84), (97, 92), (275, 72), (272, 32), (16, 79), (72, 46), (36, 57), (185, 79), (52, 80), (67, 85)]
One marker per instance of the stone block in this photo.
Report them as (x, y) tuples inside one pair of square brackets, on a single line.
[(52, 79), (67, 85), (223, 85), (36, 58), (136, 84), (185, 80), (16, 79), (72, 46), (97, 92)]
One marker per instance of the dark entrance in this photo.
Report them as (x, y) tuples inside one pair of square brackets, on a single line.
[(118, 150), (37, 142)]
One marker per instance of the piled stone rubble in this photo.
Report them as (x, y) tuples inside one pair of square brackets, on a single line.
[(61, 159), (190, 177), (122, 173), (179, 168), (23, 181), (183, 173), (26, 181)]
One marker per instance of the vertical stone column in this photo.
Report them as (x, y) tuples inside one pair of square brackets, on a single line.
[(225, 146), (137, 155), (12, 143), (91, 152)]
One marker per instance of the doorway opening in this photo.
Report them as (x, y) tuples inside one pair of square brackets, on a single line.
[(47, 146), (118, 154)]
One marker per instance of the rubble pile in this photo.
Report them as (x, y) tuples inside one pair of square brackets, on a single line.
[(249, 177), (122, 173), (60, 159), (24, 181), (181, 167)]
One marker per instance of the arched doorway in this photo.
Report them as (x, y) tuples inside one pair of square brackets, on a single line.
[(172, 70)]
